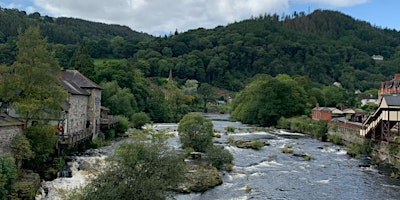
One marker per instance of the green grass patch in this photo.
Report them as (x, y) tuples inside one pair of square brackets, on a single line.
[(101, 61)]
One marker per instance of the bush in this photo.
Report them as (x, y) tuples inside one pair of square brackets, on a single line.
[(8, 174), (335, 139), (195, 131), (230, 129), (140, 119), (141, 169), (287, 149), (218, 156), (123, 125), (43, 141)]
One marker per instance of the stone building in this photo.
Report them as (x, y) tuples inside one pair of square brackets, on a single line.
[(82, 111), (9, 128)]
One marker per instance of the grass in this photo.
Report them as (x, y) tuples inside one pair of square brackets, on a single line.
[(287, 149), (101, 61)]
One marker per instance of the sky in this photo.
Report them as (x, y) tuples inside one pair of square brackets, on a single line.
[(160, 17)]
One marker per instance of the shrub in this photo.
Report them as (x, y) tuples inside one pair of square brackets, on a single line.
[(8, 174), (140, 119), (43, 141), (141, 169), (123, 125), (195, 131), (335, 139), (231, 140), (218, 156), (230, 129), (287, 149)]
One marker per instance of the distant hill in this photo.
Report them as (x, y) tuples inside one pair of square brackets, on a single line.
[(324, 46), (61, 30)]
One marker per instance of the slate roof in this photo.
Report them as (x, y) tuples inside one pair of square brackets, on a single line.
[(392, 100), (75, 83), (74, 76), (6, 120)]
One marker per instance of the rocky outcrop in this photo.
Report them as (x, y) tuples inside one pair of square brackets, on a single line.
[(200, 178), (250, 144)]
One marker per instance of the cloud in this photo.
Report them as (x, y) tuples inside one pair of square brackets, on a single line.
[(165, 16), (154, 16), (332, 3)]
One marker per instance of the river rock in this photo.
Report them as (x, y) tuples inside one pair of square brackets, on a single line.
[(250, 144), (200, 179)]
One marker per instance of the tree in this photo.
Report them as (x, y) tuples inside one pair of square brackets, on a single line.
[(139, 169), (21, 149), (33, 80), (8, 174), (205, 90), (119, 101), (195, 131), (140, 119), (266, 99), (43, 141), (82, 62)]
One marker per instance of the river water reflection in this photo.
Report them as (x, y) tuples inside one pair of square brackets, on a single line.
[(271, 174)]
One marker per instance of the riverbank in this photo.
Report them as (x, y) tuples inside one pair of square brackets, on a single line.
[(268, 173)]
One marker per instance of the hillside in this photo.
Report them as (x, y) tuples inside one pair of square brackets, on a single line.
[(325, 46)]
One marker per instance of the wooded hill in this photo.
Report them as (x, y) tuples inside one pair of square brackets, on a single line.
[(326, 46)]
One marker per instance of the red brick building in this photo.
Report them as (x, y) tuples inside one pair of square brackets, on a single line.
[(325, 113)]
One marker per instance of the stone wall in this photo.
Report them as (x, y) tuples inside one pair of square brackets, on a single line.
[(383, 151), (348, 132), (7, 134), (94, 110)]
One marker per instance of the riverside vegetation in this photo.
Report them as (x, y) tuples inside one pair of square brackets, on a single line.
[(291, 60)]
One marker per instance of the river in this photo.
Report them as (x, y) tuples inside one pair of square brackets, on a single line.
[(268, 173)]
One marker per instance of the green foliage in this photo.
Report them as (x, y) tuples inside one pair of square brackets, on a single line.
[(8, 175), (82, 62), (287, 149), (307, 157), (218, 156), (230, 129), (119, 101), (34, 81), (335, 139), (304, 124), (43, 141), (140, 169), (21, 149), (266, 99), (123, 125), (140, 119), (195, 131)]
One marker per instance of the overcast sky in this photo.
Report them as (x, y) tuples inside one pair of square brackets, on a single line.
[(159, 17)]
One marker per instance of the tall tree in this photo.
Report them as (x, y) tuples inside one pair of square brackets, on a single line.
[(33, 81), (82, 62)]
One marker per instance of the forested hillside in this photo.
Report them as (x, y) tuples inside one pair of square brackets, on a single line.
[(315, 50), (65, 35), (325, 46)]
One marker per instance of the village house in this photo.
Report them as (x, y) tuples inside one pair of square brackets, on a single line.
[(390, 87), (81, 115), (325, 113)]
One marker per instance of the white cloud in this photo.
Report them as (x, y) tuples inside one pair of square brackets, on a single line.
[(164, 16), (333, 3), (154, 16)]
